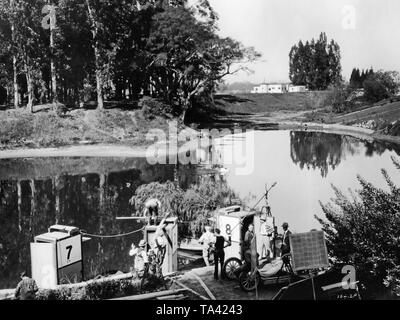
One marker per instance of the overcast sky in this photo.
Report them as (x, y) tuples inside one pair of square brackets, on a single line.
[(368, 31)]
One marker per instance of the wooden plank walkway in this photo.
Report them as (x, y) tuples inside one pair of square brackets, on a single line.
[(222, 289), (151, 296), (189, 285)]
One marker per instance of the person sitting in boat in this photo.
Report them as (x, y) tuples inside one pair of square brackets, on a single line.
[(151, 210), (207, 240), (141, 258), (285, 248)]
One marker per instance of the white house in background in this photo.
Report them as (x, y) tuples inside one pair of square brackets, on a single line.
[(270, 88), (278, 88), (262, 88), (293, 89)]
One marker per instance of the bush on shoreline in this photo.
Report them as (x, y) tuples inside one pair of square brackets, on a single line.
[(107, 289), (192, 206), (364, 231), (337, 99), (21, 129), (152, 108)]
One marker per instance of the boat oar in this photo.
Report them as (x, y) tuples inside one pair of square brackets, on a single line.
[(210, 294)]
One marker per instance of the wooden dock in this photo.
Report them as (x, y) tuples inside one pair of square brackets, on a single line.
[(196, 284), (199, 284), (221, 289)]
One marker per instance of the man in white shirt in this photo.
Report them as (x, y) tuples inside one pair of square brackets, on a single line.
[(266, 232), (207, 240)]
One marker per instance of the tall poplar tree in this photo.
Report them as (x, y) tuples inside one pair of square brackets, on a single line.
[(316, 64)]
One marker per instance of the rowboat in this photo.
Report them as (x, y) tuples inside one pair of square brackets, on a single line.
[(190, 249)]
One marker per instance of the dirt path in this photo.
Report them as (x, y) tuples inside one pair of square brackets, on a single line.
[(76, 151), (267, 117), (287, 120)]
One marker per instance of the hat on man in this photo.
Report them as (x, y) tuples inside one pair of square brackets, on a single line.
[(142, 243)]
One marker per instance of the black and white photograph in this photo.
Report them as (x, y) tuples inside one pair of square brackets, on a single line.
[(217, 152)]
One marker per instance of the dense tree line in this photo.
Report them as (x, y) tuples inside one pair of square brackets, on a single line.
[(376, 85), (381, 85), (315, 64), (358, 77), (365, 87), (74, 51)]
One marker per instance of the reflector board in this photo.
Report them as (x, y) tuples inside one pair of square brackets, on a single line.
[(309, 251)]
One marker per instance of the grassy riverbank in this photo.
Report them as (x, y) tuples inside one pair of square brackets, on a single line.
[(273, 108), (264, 103), (310, 106), (22, 129), (46, 128), (275, 111)]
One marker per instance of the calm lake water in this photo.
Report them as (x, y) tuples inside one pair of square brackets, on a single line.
[(90, 192)]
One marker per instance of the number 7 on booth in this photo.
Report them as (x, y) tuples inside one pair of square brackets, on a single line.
[(69, 251)]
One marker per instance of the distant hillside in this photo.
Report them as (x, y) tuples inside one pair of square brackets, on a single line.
[(237, 87), (253, 104), (384, 111), (261, 103)]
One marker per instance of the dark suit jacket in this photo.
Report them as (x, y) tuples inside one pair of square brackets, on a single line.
[(286, 241), (247, 240)]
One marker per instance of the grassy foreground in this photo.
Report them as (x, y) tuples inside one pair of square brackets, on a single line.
[(21, 129)]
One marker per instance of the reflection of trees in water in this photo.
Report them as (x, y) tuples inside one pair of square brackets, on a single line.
[(376, 147), (89, 201), (325, 151), (321, 151)]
